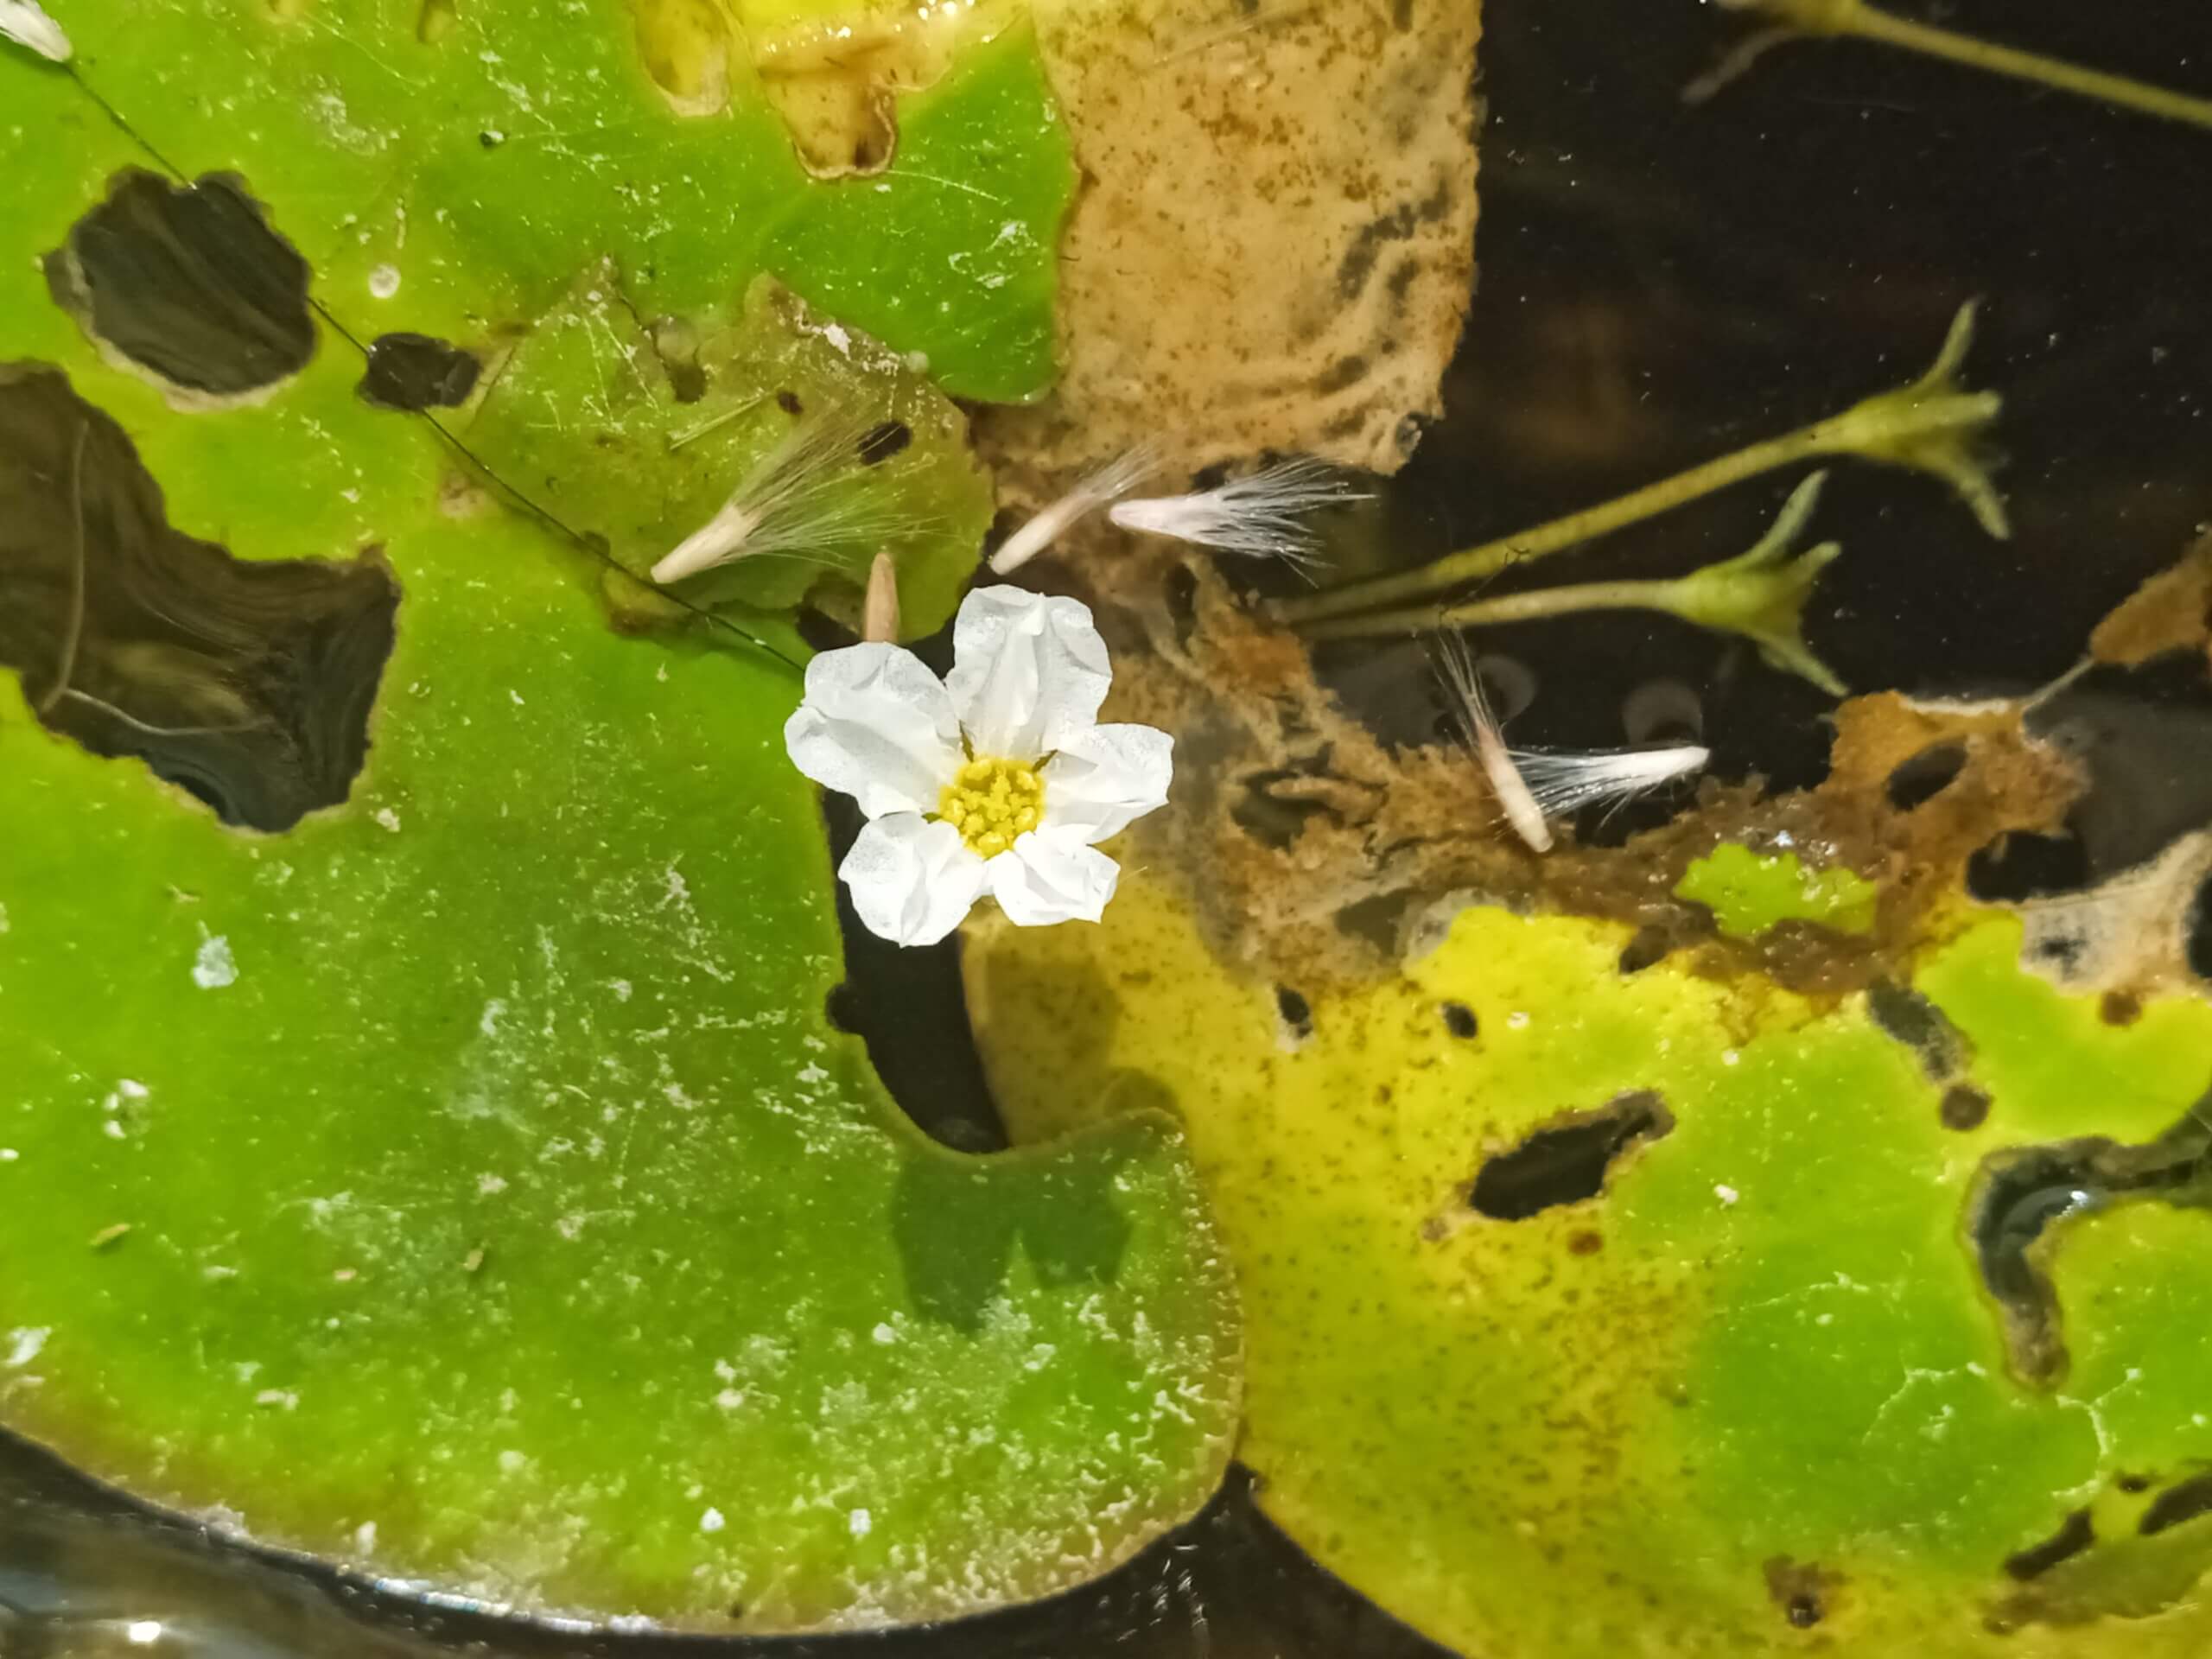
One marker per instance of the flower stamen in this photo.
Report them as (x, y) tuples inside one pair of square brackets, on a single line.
[(992, 803)]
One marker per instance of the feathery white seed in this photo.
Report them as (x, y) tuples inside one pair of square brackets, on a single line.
[(1109, 483), (25, 24), (1564, 783), (802, 502), (1263, 516), (1483, 735), (1534, 785)]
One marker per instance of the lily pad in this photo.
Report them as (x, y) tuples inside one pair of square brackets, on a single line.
[(468, 1185), (448, 170), (1735, 1335)]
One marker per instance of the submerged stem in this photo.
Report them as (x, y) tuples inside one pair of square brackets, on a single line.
[(1759, 595), (1857, 19), (1928, 425)]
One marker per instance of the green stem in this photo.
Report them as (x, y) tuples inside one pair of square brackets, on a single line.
[(1928, 425), (1868, 22), (1473, 564), (1507, 608)]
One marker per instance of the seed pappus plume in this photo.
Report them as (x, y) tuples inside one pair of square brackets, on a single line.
[(1534, 785), (799, 501), (1264, 515)]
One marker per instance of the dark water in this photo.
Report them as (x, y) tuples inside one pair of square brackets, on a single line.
[(1658, 285)]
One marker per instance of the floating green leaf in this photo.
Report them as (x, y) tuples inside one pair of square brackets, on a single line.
[(467, 1184), (1749, 892), (450, 170), (504, 1213), (1730, 1335)]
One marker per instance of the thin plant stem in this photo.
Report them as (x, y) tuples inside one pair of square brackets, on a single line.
[(1759, 595), (1925, 425), (1857, 20), (1536, 607)]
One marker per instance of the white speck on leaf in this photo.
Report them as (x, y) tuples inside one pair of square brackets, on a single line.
[(861, 1522), (215, 967), (388, 819), (24, 1344), (711, 1521), (384, 282)]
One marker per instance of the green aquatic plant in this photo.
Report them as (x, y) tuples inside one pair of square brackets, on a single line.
[(1547, 1263), (428, 1147), (1759, 595), (1791, 20), (1933, 425), (1749, 892)]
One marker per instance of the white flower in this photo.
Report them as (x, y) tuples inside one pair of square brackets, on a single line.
[(23, 23), (997, 779)]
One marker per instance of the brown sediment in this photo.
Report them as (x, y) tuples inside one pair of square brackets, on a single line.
[(2171, 612), (1362, 843), (1273, 247)]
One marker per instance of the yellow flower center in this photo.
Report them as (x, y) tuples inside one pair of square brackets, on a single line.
[(990, 801)]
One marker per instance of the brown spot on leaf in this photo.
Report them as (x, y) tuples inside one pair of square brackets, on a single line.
[(1805, 1591)]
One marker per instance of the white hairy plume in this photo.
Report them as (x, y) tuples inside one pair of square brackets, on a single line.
[(1265, 515), (1534, 785), (799, 502)]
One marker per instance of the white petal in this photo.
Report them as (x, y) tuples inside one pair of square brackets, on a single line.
[(877, 725), (1103, 780), (1028, 671), (23, 23), (911, 879), (1050, 876)]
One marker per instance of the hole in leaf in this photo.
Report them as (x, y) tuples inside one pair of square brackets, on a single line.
[(246, 682), (1924, 777), (1296, 1012), (1800, 1589), (2185, 1501), (2075, 1534), (410, 372), (2020, 1192), (881, 441), (1460, 1020), (1570, 1161), (1647, 949), (188, 285), (1963, 1107)]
